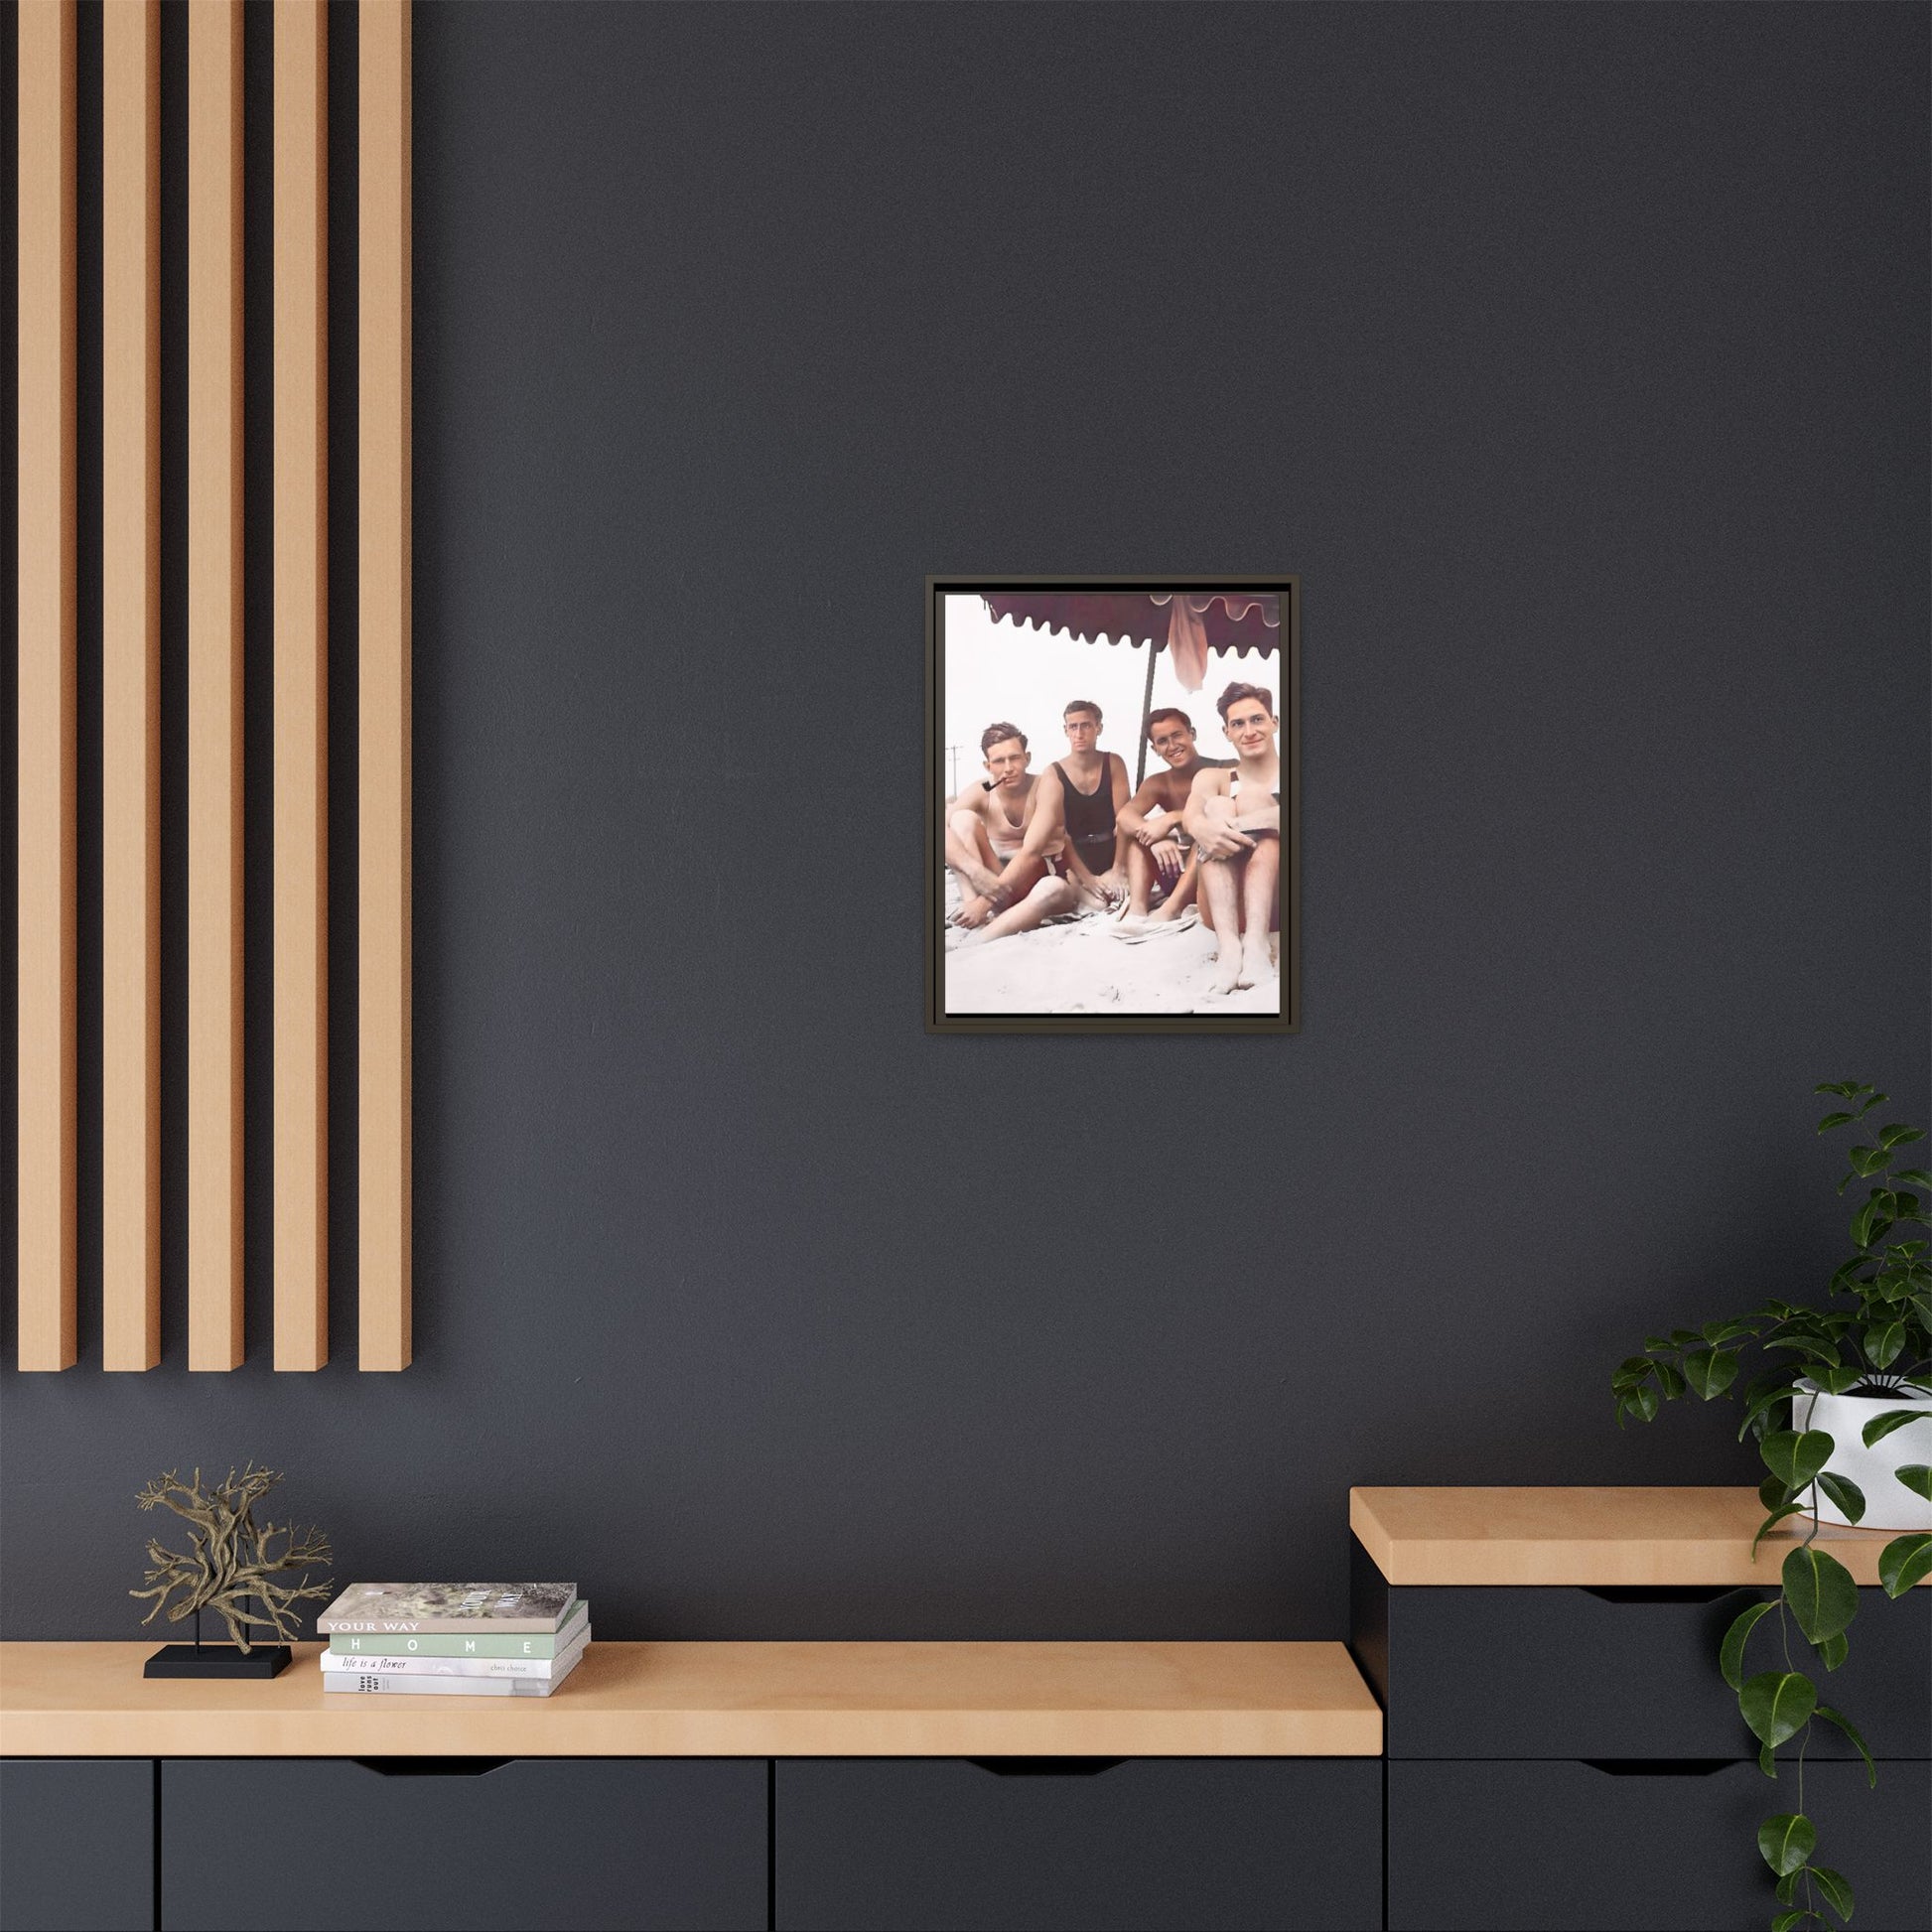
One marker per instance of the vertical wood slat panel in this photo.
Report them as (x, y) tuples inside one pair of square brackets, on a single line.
[(384, 706), (131, 684), (214, 671), (46, 943), (300, 686)]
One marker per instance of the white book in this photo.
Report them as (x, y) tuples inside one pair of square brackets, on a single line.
[(364, 1683), (551, 1668)]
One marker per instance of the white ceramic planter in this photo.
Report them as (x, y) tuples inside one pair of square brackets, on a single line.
[(1888, 1504)]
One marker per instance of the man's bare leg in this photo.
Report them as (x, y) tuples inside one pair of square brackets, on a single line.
[(1049, 897), (1009, 888), (1263, 873), (1220, 893), (1142, 871), (1180, 894), (970, 854)]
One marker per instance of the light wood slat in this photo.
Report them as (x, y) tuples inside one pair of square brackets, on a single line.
[(300, 686), (383, 674), (45, 948), (1589, 1539), (215, 672), (731, 1700), (130, 932)]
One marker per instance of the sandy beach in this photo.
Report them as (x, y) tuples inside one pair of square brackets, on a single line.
[(1089, 965)]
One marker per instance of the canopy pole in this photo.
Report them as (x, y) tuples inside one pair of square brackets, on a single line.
[(1147, 705)]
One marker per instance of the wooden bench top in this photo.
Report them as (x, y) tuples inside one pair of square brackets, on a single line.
[(1593, 1538), (725, 1700)]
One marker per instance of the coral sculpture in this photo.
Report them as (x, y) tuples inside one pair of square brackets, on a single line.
[(229, 1557)]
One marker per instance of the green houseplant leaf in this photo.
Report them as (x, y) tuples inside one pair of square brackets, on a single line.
[(1845, 1725), (1709, 1371), (1820, 1590), (1795, 1457), (1730, 1657), (1903, 1561), (1777, 1704), (1787, 1841), (1879, 1426), (1844, 1493), (1917, 1477), (1838, 1894)]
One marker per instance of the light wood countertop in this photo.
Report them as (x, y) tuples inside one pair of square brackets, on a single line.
[(725, 1700), (1595, 1538)]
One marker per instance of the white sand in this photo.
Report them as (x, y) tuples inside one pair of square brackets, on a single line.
[(1086, 966)]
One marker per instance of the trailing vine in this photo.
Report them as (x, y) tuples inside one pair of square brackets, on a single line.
[(1883, 1347)]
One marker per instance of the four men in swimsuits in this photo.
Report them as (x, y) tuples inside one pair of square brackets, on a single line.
[(1027, 849)]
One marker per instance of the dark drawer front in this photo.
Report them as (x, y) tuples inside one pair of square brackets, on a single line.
[(76, 1844), (329, 1842), (1577, 1673), (1571, 1848), (1244, 1843)]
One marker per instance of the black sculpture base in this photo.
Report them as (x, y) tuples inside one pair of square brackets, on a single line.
[(217, 1660)]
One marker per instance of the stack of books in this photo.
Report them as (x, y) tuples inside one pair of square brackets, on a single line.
[(494, 1640)]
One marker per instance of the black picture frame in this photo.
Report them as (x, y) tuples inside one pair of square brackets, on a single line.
[(1289, 704)]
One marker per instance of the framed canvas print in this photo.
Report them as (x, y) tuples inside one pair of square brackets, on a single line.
[(1113, 804)]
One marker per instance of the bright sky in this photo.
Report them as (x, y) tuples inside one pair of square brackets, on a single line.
[(1027, 677)]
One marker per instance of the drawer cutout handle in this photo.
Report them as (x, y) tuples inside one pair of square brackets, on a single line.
[(1661, 1767), (431, 1768), (1046, 1767), (1663, 1592)]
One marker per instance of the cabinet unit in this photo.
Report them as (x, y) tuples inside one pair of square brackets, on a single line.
[(434, 1843), (1562, 1751), (77, 1845), (1108, 1846)]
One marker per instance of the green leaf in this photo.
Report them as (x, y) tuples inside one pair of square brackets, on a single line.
[(1914, 1178), (1789, 1921), (1709, 1371), (1873, 1219), (1720, 1334), (1786, 1886), (1844, 1493), (1671, 1377), (1777, 1704), (1765, 1399), (1771, 1522), (1773, 1493), (1903, 1561), (1820, 1590), (1844, 1088), (1878, 1099), (1883, 1342), (1917, 1477), (1834, 1651), (1835, 1381), (1838, 1894), (1899, 1135), (1787, 1841), (1796, 1456), (1730, 1657), (1868, 1160), (1830, 1121), (1879, 1426), (1767, 1761), (1641, 1403), (1845, 1725)]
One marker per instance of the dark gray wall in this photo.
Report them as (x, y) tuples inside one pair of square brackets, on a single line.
[(1575, 359)]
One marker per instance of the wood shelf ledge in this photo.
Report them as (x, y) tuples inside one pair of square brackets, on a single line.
[(1593, 1539), (727, 1700)]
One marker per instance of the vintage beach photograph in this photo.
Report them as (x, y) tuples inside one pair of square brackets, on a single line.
[(1112, 805)]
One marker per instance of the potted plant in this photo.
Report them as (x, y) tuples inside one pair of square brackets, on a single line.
[(1842, 1417)]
